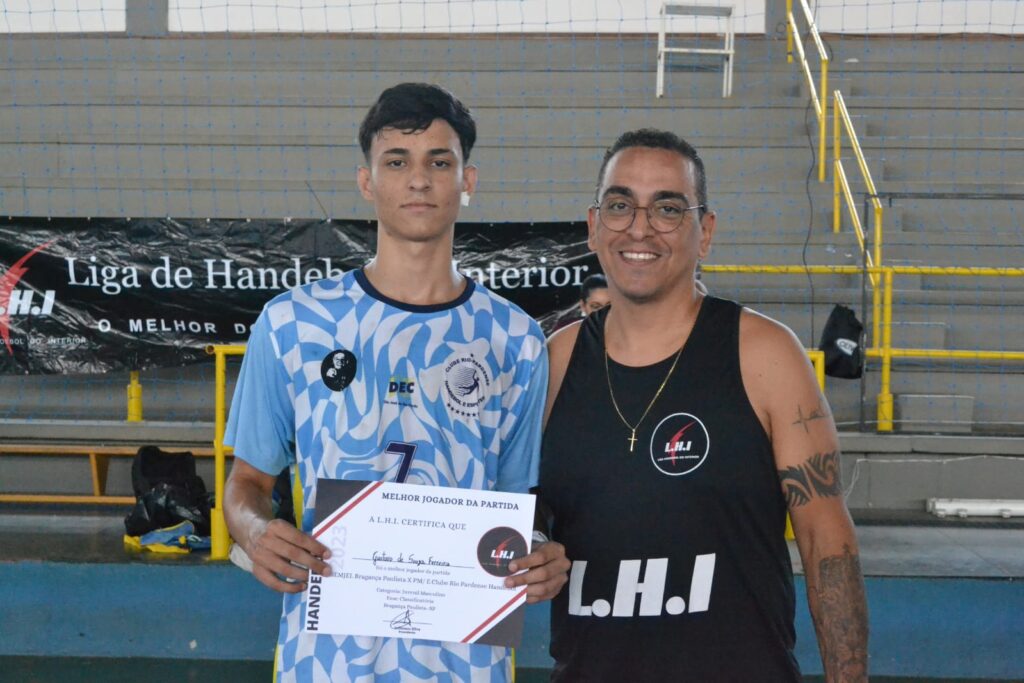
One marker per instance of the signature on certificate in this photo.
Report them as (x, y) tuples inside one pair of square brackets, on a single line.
[(384, 557), (403, 622)]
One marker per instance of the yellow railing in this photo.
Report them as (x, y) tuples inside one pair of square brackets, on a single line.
[(820, 104), (818, 361), (840, 185), (887, 353), (220, 539), (134, 392), (882, 327), (797, 270)]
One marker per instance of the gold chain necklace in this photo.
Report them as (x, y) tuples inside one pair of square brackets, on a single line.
[(632, 428)]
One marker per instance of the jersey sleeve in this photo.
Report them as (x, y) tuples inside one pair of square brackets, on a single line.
[(520, 449), (261, 426)]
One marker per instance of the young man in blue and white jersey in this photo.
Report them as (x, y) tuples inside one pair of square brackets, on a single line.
[(404, 370)]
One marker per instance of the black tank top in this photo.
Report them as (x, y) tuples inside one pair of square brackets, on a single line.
[(680, 569)]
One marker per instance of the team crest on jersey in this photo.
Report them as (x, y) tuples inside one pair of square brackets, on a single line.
[(466, 383), (680, 444), (338, 369)]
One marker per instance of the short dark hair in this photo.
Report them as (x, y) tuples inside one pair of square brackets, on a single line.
[(592, 282), (411, 108), (659, 139)]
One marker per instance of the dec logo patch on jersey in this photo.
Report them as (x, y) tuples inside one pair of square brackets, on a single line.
[(680, 444)]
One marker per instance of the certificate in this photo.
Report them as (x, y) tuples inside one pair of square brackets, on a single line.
[(413, 561)]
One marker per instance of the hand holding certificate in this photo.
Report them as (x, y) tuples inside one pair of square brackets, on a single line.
[(419, 562)]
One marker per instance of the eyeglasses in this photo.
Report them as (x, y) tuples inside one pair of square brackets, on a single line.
[(665, 215)]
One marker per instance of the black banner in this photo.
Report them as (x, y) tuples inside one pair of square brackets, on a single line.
[(89, 296)]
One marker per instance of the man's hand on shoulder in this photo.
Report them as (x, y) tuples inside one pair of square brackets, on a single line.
[(547, 571)]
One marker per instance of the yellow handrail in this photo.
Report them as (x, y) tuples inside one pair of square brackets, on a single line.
[(887, 352), (220, 539), (820, 104), (818, 360), (134, 390), (883, 348), (840, 185)]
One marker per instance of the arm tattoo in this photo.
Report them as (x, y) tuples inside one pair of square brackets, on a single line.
[(819, 413), (841, 617), (817, 476)]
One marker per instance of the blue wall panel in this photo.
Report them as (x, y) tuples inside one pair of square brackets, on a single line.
[(940, 628)]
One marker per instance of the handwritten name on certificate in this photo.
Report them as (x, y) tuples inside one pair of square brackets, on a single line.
[(414, 561)]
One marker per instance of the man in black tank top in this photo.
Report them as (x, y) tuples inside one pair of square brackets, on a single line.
[(681, 429)]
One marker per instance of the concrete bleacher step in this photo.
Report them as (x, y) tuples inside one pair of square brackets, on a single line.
[(497, 200), (922, 120), (371, 53), (854, 54), (911, 334), (110, 432), (564, 162), (964, 84), (1000, 213), (174, 395), (919, 252), (510, 125), (239, 86), (1014, 285), (950, 413), (927, 165)]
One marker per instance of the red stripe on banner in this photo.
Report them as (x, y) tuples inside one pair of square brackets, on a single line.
[(494, 616), (348, 508)]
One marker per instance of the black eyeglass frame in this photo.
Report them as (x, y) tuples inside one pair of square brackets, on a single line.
[(650, 221)]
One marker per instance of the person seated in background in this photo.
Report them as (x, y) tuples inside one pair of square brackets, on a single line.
[(593, 294)]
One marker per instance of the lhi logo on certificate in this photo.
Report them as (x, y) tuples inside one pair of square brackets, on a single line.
[(419, 562)]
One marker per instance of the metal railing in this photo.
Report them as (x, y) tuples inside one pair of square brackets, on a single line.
[(220, 539), (882, 326), (820, 104), (886, 351), (841, 186), (883, 351)]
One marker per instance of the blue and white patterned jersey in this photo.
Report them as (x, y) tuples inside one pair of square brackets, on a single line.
[(348, 384)]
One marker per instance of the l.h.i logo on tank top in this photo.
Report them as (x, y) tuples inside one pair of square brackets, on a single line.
[(680, 444), (650, 589)]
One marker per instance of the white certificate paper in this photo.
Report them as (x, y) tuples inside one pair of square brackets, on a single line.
[(413, 561)]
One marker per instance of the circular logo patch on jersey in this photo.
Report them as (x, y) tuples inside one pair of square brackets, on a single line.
[(498, 547), (680, 444), (466, 382), (338, 369)]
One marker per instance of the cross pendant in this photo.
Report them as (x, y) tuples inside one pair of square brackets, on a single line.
[(632, 440)]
